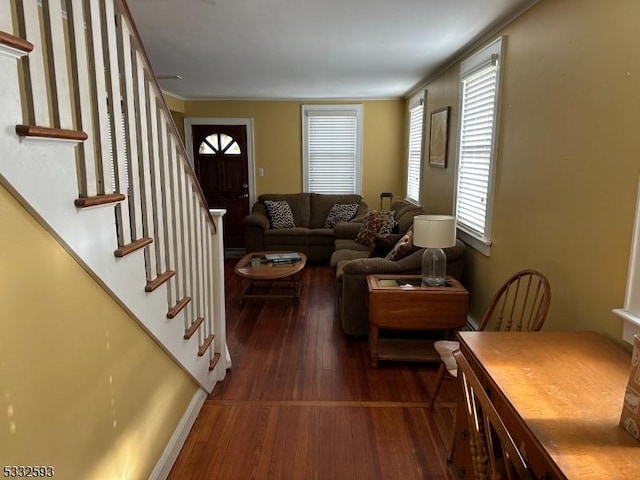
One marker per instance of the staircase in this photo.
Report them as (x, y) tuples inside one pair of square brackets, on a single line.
[(89, 147)]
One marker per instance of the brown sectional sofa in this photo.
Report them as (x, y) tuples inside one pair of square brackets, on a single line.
[(353, 264), (309, 236), (352, 260)]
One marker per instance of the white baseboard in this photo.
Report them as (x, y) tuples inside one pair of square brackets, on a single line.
[(170, 454), (472, 325)]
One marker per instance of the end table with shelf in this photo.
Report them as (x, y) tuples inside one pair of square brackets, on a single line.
[(401, 302)]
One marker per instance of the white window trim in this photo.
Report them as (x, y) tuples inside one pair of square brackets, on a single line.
[(467, 67), (356, 109), (419, 99), (630, 313)]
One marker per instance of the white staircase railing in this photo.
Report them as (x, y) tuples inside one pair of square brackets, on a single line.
[(90, 148)]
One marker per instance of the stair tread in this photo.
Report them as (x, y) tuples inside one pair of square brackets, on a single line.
[(205, 346), (159, 280), (193, 328), (106, 199), (132, 247), (177, 308), (214, 361), (47, 132), (15, 42)]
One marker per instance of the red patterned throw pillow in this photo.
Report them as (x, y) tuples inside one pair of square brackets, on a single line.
[(375, 223)]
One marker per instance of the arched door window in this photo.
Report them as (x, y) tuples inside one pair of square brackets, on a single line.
[(216, 144)]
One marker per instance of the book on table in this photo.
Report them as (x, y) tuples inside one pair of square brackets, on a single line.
[(288, 257)]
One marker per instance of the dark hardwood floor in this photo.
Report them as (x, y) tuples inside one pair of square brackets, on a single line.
[(303, 402)]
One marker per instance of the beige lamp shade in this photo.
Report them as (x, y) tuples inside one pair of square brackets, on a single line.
[(434, 231)]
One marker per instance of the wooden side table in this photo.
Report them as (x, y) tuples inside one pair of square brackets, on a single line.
[(400, 302)]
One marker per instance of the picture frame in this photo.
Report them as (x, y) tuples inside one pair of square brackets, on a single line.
[(438, 137)]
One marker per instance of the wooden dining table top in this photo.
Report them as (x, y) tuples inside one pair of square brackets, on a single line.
[(568, 389)]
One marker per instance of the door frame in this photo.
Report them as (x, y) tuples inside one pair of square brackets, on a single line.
[(248, 124)]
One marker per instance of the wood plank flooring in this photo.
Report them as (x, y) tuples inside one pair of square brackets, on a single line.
[(303, 402)]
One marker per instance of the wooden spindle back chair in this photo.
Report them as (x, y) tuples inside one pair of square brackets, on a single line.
[(520, 304), (493, 452)]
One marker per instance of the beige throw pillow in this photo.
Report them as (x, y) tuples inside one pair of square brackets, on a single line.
[(403, 247)]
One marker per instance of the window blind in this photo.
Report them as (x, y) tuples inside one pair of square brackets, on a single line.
[(332, 150), (479, 99), (415, 152)]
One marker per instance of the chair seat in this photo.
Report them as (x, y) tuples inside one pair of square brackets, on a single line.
[(445, 349)]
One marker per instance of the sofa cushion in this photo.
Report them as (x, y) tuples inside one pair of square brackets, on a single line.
[(340, 257), (321, 236), (280, 214), (341, 212), (347, 244), (405, 217), (375, 223)]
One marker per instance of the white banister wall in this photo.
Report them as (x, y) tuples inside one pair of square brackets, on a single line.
[(88, 72)]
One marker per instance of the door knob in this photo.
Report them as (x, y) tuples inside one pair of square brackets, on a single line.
[(245, 185), (244, 195)]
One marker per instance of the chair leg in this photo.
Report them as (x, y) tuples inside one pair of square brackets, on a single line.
[(452, 443), (439, 379)]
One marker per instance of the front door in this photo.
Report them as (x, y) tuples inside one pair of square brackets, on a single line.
[(220, 161)]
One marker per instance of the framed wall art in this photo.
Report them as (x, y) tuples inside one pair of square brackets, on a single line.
[(438, 136)]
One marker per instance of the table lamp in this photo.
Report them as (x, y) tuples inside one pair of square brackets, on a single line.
[(434, 232)]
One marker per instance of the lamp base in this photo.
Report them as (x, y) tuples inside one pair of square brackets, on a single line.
[(434, 267)]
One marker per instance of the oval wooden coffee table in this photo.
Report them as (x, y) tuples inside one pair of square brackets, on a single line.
[(262, 279)]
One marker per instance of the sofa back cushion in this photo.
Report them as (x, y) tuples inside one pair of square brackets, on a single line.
[(321, 203), (298, 202), (405, 211)]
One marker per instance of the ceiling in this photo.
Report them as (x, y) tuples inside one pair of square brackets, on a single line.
[(308, 49)]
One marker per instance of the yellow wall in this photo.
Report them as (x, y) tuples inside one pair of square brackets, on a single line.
[(82, 387), (278, 142), (437, 183), (568, 165)]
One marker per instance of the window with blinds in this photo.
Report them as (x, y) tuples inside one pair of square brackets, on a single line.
[(479, 87), (332, 146), (414, 163)]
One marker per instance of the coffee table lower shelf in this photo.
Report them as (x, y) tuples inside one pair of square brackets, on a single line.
[(285, 289)]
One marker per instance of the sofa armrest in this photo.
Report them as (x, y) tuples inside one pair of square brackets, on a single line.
[(377, 265), (254, 227), (411, 264), (257, 220)]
